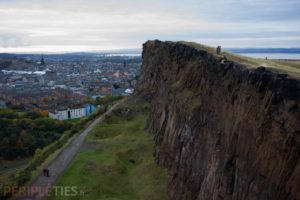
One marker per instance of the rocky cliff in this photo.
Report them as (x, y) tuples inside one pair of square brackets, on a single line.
[(222, 129)]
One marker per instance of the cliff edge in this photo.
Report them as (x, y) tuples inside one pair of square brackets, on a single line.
[(223, 130)]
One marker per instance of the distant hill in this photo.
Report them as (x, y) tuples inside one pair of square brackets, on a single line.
[(80, 53), (7, 55), (264, 50), (72, 55)]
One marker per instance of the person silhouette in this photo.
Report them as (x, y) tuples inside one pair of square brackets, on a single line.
[(45, 172)]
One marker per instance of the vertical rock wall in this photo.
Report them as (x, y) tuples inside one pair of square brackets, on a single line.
[(224, 131)]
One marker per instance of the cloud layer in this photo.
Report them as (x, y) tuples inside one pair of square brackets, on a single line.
[(77, 25)]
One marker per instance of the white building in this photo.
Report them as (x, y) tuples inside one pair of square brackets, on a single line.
[(129, 91), (68, 114)]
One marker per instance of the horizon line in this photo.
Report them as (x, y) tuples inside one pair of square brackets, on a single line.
[(119, 50)]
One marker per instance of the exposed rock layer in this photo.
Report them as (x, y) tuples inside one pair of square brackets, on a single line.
[(224, 131)]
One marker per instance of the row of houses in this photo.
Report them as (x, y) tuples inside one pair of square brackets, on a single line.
[(73, 113)]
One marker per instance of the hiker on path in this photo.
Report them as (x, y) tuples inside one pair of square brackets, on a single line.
[(44, 172), (48, 174)]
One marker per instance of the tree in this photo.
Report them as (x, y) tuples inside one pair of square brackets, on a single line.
[(22, 134), (116, 86)]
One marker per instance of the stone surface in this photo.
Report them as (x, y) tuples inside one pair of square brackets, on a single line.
[(224, 131)]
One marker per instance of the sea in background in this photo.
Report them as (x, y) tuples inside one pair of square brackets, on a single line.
[(288, 56), (125, 54), (24, 72)]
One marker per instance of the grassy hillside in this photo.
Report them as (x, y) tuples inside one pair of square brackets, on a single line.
[(116, 162), (290, 67)]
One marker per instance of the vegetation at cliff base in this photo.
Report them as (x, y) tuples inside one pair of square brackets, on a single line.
[(116, 162), (106, 100)]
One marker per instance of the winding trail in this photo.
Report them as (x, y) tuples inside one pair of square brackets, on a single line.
[(60, 163)]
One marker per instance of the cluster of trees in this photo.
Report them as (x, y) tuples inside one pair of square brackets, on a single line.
[(108, 99), (103, 101), (22, 133)]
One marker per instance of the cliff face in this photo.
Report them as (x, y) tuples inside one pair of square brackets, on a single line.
[(224, 131)]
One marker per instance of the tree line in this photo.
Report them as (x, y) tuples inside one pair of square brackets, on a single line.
[(22, 133)]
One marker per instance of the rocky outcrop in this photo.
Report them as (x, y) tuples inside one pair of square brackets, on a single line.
[(223, 130)]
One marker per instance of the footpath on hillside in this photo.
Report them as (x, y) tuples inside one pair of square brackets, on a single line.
[(42, 185)]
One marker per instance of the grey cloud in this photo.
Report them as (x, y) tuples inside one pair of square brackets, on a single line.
[(13, 40), (33, 24)]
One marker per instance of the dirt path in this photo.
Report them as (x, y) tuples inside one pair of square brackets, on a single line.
[(61, 162)]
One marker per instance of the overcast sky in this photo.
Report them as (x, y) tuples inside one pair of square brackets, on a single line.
[(85, 25)]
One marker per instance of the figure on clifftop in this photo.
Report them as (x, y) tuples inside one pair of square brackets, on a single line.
[(218, 49)]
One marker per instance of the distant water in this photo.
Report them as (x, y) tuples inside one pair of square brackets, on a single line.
[(292, 56), (124, 54), (23, 72)]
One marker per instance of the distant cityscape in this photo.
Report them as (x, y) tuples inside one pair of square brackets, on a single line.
[(54, 82), (58, 82)]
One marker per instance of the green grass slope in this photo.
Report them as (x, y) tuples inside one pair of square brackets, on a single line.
[(292, 68), (116, 162)]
